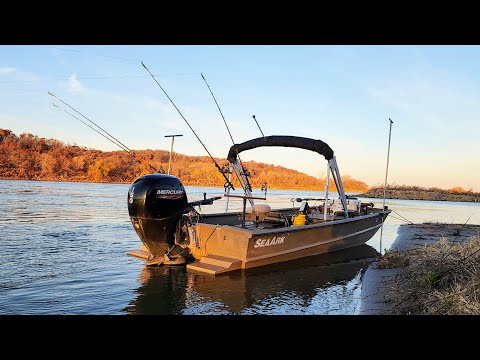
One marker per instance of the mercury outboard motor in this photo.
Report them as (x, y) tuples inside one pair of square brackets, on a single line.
[(156, 202)]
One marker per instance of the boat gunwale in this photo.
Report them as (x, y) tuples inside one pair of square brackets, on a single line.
[(317, 225), (256, 232)]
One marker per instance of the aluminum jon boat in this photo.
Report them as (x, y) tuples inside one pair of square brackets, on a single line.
[(174, 233)]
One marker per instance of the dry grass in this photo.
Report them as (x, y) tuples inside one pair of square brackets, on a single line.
[(438, 279)]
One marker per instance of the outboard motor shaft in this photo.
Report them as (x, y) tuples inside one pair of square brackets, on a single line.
[(155, 204)]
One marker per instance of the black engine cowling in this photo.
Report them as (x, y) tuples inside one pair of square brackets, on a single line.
[(155, 204)]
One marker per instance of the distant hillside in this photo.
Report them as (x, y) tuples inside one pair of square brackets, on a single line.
[(405, 192), (30, 157)]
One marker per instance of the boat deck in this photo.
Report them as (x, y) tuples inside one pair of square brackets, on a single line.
[(275, 219)]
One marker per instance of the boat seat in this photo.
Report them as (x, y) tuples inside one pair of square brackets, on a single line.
[(259, 212), (262, 215)]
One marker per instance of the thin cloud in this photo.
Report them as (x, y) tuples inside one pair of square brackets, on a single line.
[(436, 100), (74, 85), (7, 70)]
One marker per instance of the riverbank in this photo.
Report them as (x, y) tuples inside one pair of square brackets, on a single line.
[(429, 269), (422, 194), (28, 157)]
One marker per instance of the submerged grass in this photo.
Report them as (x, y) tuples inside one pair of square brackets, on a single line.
[(438, 279)]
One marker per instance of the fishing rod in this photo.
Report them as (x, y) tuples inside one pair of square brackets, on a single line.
[(183, 117), (78, 112), (91, 127), (254, 118), (305, 199), (218, 106), (119, 144), (249, 187)]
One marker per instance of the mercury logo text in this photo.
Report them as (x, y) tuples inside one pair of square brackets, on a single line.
[(169, 192)]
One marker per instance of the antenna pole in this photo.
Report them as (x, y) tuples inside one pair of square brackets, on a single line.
[(385, 186)]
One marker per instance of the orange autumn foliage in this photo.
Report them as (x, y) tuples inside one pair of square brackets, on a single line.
[(457, 190), (29, 157)]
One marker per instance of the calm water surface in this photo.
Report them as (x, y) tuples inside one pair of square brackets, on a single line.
[(63, 251)]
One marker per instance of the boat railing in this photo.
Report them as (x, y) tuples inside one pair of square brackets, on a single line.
[(244, 198)]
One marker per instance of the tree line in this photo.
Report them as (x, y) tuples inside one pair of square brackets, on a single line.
[(29, 157)]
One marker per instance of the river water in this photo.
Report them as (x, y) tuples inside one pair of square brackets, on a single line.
[(63, 251)]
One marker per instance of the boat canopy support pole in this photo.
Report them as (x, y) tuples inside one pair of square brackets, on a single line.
[(228, 189), (338, 183), (327, 183), (237, 167)]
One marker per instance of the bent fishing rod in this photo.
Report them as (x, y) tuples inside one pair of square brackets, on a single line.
[(183, 117), (108, 136), (229, 133)]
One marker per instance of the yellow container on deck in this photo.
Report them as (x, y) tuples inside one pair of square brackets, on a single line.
[(299, 219)]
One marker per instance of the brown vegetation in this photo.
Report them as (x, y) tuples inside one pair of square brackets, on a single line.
[(406, 192), (458, 190), (441, 278), (30, 157)]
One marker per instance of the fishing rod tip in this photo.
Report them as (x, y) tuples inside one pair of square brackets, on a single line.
[(253, 116), (143, 64), (49, 93), (55, 105)]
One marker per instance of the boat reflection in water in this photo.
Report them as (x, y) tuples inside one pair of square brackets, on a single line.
[(321, 284)]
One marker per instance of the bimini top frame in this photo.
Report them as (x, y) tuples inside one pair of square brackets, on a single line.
[(285, 141), (317, 146)]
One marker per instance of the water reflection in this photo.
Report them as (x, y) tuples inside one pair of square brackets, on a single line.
[(63, 251), (308, 285)]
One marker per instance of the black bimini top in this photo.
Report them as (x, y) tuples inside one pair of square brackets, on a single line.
[(286, 141)]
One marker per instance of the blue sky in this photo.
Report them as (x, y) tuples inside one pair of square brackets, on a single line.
[(342, 95)]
